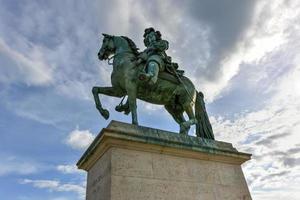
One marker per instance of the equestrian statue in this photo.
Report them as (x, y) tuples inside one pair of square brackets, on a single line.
[(151, 76)]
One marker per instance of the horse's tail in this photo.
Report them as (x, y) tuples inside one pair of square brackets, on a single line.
[(203, 126)]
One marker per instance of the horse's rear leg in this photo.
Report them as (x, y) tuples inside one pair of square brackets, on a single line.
[(178, 117), (110, 91), (185, 126)]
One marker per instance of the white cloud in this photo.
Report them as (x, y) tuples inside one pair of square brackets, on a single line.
[(68, 169), (80, 139), (40, 49), (56, 186), (50, 184), (15, 165), (29, 68), (271, 134), (267, 33)]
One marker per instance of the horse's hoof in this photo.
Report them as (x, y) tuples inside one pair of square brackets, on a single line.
[(184, 130), (105, 113), (183, 133), (119, 108), (127, 111), (135, 123)]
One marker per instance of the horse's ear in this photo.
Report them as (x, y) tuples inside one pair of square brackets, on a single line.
[(105, 35)]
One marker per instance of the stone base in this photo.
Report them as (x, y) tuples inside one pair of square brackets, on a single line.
[(127, 162)]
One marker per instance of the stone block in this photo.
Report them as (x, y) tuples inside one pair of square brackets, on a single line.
[(127, 162)]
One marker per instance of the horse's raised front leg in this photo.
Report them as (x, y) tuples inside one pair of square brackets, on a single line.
[(110, 91), (131, 92)]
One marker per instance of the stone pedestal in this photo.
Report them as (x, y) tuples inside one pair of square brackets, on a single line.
[(128, 162)]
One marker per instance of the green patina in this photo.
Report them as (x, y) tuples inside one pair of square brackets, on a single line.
[(152, 77), (128, 132)]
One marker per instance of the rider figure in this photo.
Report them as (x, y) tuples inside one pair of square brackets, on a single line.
[(156, 61), (154, 55)]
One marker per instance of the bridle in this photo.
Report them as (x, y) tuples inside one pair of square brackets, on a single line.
[(106, 48), (116, 54)]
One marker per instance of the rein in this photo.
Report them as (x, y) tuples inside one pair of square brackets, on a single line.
[(112, 57)]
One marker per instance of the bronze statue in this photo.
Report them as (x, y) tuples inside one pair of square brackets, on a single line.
[(151, 76)]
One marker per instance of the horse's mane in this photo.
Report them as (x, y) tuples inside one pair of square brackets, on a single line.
[(131, 45)]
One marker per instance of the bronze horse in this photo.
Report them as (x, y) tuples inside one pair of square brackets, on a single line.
[(177, 96)]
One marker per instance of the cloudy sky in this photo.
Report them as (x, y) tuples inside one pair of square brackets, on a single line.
[(244, 56)]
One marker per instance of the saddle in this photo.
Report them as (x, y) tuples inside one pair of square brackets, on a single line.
[(171, 72), (172, 68), (169, 77)]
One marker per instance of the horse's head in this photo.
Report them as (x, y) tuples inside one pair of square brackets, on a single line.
[(107, 47)]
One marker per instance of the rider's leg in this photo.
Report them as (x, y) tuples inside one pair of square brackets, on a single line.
[(152, 71)]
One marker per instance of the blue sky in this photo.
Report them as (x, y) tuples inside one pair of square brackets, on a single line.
[(243, 55)]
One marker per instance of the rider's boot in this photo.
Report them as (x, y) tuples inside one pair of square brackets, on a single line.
[(152, 73)]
